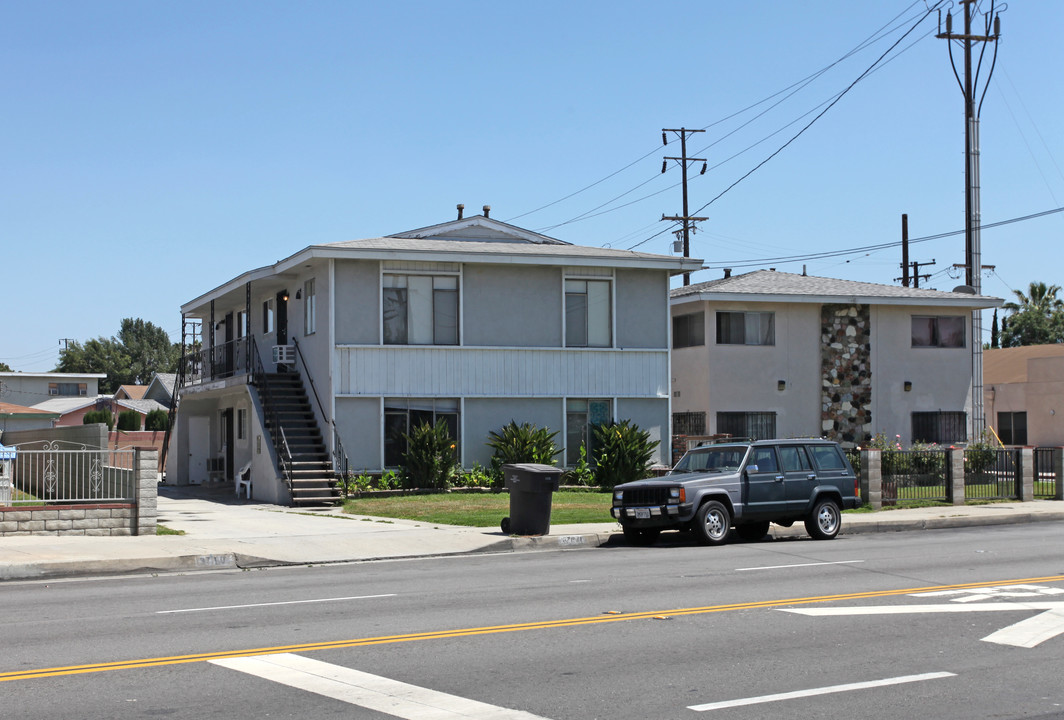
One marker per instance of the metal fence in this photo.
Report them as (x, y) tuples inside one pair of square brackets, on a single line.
[(915, 475), (993, 474), (52, 474), (1046, 482), (215, 363)]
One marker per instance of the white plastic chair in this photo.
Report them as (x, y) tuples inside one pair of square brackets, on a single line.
[(243, 478)]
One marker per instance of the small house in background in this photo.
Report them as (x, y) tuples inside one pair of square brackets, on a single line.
[(771, 354), (30, 389), (130, 392), (17, 417), (1023, 391)]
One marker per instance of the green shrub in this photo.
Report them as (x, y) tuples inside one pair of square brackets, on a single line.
[(99, 416), (623, 453), (157, 420), (478, 476), (430, 460), (523, 443), (129, 420), (980, 455), (582, 473)]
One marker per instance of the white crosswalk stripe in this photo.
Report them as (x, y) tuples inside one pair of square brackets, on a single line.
[(369, 691)]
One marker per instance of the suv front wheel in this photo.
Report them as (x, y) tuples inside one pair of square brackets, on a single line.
[(825, 521), (712, 523)]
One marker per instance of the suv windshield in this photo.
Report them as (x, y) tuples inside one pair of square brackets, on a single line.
[(722, 459)]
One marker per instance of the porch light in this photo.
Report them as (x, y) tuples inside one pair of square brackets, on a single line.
[(284, 296), (781, 385)]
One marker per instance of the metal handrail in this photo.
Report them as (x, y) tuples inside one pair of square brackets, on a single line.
[(340, 459), (280, 442)]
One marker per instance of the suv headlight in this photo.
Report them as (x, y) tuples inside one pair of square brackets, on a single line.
[(618, 497), (677, 495)]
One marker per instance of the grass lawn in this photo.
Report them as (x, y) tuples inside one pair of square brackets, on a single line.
[(480, 509)]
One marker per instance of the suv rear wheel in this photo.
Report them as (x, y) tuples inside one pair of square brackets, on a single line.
[(712, 523), (825, 521)]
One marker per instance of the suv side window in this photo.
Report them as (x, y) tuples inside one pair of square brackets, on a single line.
[(765, 459), (827, 457), (794, 458)]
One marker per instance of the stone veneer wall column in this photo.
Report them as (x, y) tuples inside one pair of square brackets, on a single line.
[(846, 373)]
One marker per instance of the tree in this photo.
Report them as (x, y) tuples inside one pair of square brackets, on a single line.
[(995, 333), (149, 350), (4, 367), (1037, 318), (140, 350)]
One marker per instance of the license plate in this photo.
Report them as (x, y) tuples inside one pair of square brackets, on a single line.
[(642, 513)]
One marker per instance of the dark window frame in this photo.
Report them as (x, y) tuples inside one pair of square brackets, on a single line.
[(689, 330)]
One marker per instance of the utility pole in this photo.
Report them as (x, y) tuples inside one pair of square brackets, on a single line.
[(684, 162), (904, 250), (969, 86)]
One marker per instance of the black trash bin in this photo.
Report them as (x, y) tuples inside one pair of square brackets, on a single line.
[(531, 487)]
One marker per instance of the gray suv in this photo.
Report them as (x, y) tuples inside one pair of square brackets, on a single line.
[(747, 485)]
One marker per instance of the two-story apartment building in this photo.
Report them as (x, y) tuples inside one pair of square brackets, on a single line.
[(772, 354), (29, 388), (472, 322)]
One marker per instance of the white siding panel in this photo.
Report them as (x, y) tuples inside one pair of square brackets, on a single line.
[(501, 372)]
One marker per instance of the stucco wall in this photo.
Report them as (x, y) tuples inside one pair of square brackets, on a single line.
[(485, 415), (642, 309), (494, 295), (652, 416), (357, 302), (1041, 397), (359, 421)]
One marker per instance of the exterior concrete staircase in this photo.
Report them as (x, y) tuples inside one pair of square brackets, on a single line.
[(305, 459)]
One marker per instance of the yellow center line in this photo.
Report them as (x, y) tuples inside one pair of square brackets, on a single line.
[(489, 630)]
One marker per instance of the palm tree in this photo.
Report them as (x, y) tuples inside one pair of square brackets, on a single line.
[(1041, 298)]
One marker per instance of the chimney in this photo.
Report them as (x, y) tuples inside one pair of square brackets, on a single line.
[(727, 272), (461, 209), (487, 210)]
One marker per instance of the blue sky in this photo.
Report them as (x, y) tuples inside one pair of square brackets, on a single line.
[(151, 151)]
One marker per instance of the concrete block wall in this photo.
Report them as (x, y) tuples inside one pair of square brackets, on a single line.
[(137, 518)]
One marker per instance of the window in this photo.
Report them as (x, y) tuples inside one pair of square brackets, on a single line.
[(827, 457), (754, 425), (310, 308), (241, 324), (68, 388), (580, 418), (420, 309), (940, 427), (689, 423), (588, 315), (941, 332), (241, 423), (746, 328), (1012, 428), (793, 458), (267, 316), (765, 459), (689, 330), (402, 415)]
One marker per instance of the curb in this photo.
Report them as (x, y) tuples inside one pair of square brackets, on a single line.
[(237, 561)]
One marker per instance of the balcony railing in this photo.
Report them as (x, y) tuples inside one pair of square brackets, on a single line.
[(215, 363)]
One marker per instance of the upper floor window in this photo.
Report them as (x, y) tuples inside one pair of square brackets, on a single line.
[(689, 330), (1012, 428), (588, 315), (241, 323), (267, 316), (310, 308), (420, 309), (68, 388), (746, 328), (943, 331)]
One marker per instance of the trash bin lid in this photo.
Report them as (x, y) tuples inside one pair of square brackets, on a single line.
[(532, 467)]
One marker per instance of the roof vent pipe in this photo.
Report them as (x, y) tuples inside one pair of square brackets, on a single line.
[(487, 210), (727, 272), (461, 209)]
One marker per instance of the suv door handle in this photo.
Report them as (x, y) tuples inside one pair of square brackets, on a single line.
[(778, 478), (811, 476)]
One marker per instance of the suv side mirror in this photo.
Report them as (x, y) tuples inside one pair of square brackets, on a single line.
[(752, 468)]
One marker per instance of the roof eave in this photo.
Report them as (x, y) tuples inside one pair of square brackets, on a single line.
[(974, 302)]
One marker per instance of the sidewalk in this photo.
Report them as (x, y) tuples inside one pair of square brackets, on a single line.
[(224, 534)]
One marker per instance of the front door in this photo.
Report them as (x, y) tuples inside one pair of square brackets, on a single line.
[(282, 324), (227, 439), (765, 494)]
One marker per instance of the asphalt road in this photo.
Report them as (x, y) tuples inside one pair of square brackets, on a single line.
[(841, 629)]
